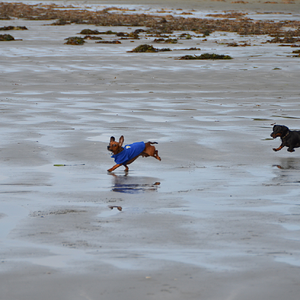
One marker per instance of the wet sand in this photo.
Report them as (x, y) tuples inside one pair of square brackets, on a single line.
[(224, 221)]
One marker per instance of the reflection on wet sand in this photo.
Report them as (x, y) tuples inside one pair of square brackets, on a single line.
[(115, 206), (288, 170), (289, 163), (133, 184)]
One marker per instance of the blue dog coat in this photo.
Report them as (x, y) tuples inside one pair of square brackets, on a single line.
[(129, 152)]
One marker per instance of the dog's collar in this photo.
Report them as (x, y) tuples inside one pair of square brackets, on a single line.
[(286, 135)]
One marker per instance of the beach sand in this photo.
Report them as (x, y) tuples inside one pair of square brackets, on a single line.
[(223, 222)]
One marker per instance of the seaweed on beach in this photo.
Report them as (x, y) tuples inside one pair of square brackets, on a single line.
[(107, 32), (188, 49), (240, 1), (156, 34), (61, 22), (75, 40), (186, 36), (148, 48), (109, 42), (138, 31), (13, 28), (205, 56), (131, 35), (144, 48), (91, 37), (6, 37), (285, 40), (166, 41), (229, 15), (296, 52), (89, 31), (234, 44), (205, 32), (156, 24)]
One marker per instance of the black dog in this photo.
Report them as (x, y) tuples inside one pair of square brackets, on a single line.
[(289, 138)]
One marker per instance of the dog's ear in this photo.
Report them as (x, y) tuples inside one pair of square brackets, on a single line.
[(112, 139), (121, 140)]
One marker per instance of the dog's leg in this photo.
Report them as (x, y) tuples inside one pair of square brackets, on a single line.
[(279, 148), (150, 151), (114, 167), (291, 149), (156, 155)]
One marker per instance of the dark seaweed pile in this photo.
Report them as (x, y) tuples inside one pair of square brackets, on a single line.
[(6, 37), (75, 40), (148, 48), (13, 28), (205, 56)]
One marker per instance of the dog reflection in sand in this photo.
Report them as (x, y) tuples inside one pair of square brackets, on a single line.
[(134, 184), (128, 154)]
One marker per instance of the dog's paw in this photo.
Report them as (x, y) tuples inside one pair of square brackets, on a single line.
[(274, 149), (291, 150)]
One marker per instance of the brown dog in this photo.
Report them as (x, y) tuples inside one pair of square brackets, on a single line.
[(128, 154)]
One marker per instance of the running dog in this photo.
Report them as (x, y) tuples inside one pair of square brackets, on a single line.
[(289, 138), (128, 154)]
